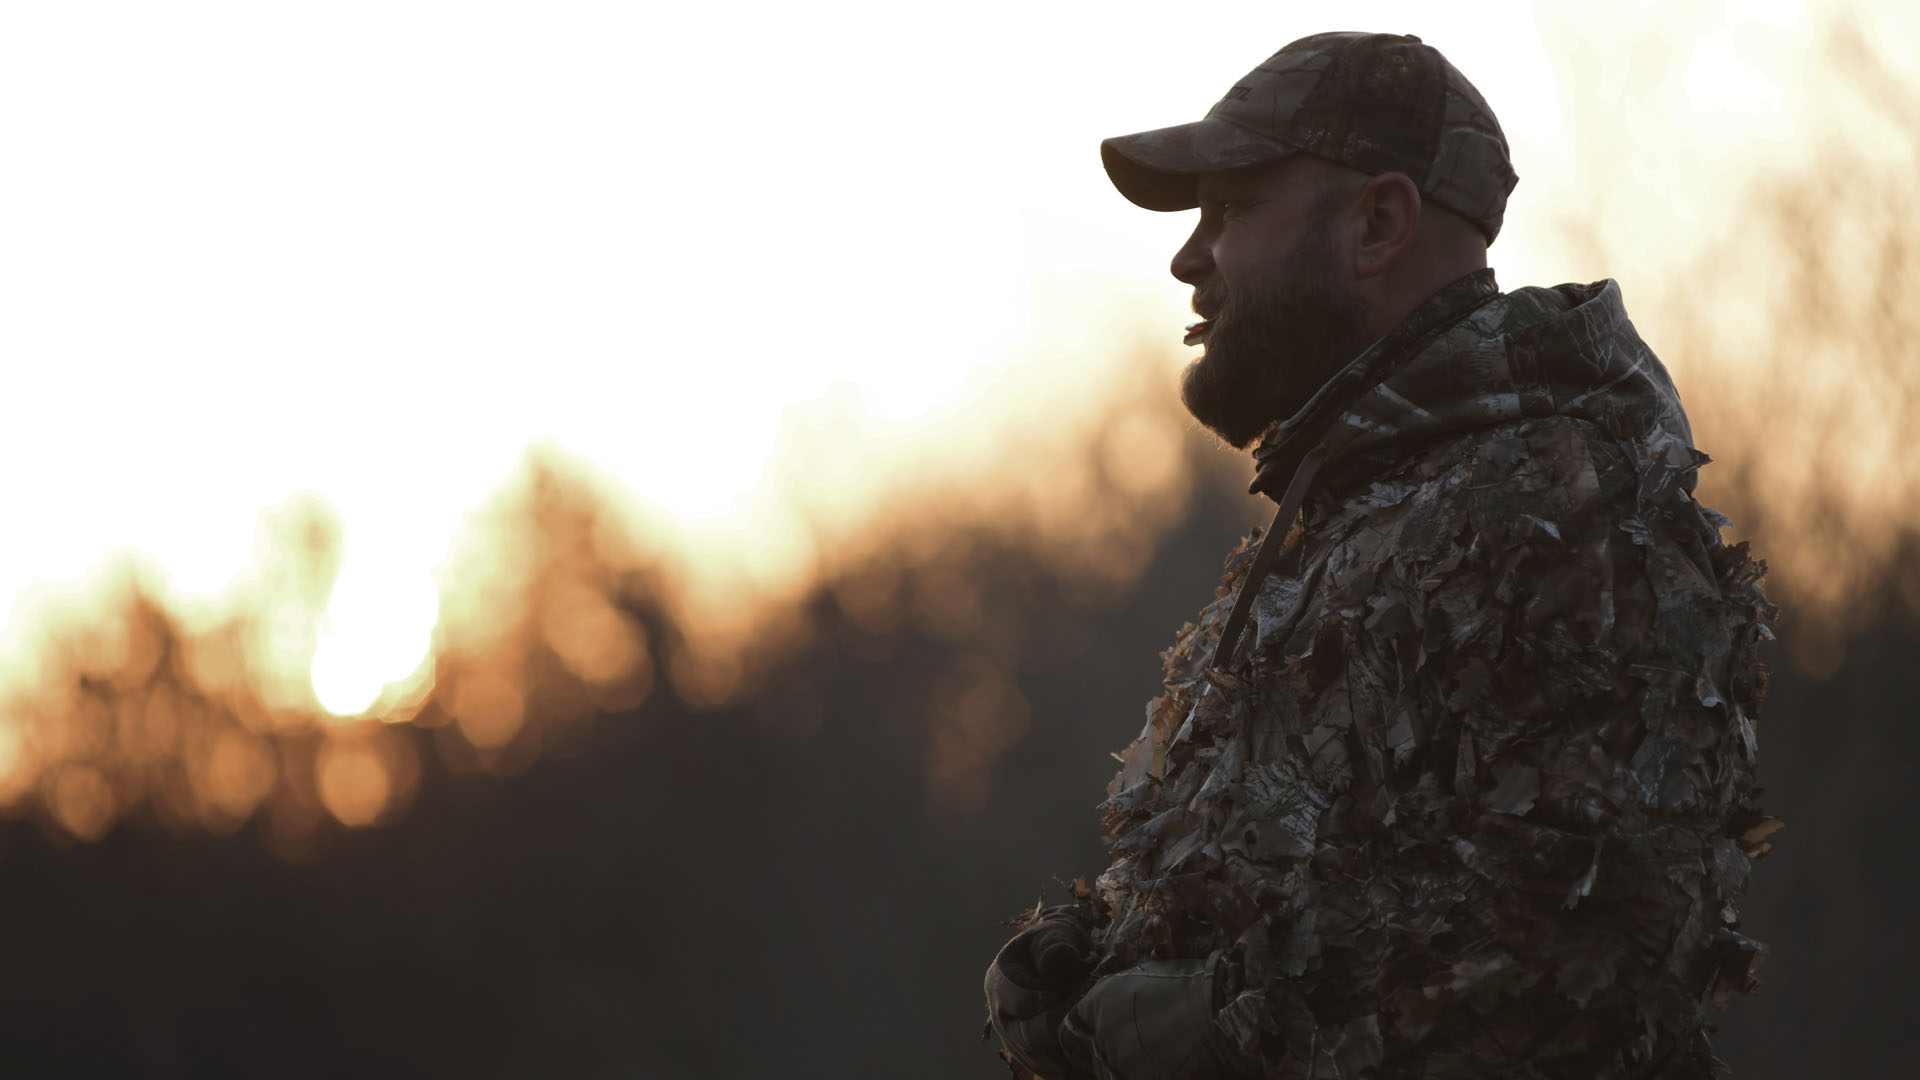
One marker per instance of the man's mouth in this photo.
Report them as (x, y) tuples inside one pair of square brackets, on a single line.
[(1197, 332)]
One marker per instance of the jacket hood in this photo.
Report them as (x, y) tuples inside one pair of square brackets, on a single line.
[(1471, 357)]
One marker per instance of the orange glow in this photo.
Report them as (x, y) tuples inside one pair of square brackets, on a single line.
[(977, 715), (597, 642), (489, 706), (239, 773), (705, 680), (353, 783), (17, 765), (81, 801), (366, 776)]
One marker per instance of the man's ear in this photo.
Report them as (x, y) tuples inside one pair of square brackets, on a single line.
[(1389, 207)]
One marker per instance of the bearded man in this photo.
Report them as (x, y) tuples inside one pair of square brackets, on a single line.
[(1454, 777)]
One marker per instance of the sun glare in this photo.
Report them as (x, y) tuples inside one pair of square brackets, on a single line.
[(377, 631)]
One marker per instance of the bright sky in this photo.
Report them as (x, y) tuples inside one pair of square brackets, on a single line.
[(373, 250)]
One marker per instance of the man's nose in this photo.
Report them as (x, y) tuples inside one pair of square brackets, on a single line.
[(1194, 261)]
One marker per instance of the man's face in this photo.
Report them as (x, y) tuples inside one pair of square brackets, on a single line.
[(1279, 319)]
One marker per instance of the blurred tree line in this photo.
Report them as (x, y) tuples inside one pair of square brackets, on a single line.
[(783, 886)]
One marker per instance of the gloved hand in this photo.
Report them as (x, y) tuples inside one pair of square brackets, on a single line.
[(1031, 985), (1152, 1022)]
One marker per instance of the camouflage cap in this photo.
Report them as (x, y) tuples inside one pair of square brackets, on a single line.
[(1374, 102)]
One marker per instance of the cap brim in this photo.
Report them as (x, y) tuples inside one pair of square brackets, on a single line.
[(1159, 169)]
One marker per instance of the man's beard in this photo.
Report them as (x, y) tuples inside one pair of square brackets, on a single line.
[(1275, 340)]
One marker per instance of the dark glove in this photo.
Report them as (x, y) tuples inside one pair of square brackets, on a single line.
[(1152, 1022), (1031, 985)]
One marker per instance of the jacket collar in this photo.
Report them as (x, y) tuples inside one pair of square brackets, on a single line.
[(1285, 444)]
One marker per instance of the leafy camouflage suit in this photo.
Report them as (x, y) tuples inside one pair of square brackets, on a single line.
[(1475, 798)]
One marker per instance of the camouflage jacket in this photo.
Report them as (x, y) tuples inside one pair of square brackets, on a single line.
[(1474, 799)]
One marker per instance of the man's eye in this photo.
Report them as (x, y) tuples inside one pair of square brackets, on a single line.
[(1221, 209)]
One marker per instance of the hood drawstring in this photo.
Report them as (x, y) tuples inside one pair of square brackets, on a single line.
[(1270, 546)]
